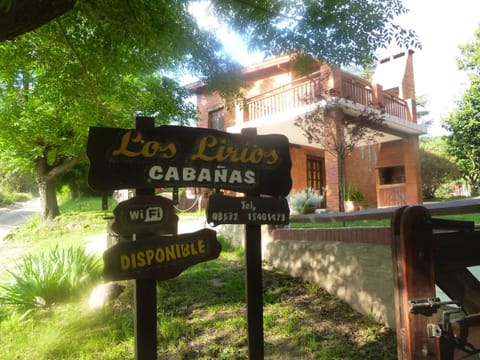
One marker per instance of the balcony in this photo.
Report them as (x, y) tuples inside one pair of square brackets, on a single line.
[(307, 90)]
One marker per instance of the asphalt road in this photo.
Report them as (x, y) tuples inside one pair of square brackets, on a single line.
[(16, 215)]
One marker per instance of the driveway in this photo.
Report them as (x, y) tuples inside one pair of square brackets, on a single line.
[(16, 215), (11, 217)]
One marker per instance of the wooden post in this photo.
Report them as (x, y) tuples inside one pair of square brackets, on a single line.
[(145, 292), (417, 281), (398, 284), (253, 283)]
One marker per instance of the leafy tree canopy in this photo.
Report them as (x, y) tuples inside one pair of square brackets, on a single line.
[(343, 32), (463, 123), (464, 142), (469, 58), (438, 166), (105, 61)]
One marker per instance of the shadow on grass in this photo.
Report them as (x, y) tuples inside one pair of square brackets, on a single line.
[(300, 320)]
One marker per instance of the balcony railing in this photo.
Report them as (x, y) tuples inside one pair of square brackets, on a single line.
[(292, 96), (305, 90), (358, 92), (395, 106)]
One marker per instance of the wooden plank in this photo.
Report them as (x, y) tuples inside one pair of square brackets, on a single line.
[(460, 285), (398, 285), (456, 249), (468, 206), (464, 339), (418, 281)]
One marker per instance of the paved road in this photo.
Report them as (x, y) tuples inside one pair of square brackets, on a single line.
[(16, 215)]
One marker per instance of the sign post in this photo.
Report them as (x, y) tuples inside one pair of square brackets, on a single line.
[(253, 283), (145, 290), (174, 156)]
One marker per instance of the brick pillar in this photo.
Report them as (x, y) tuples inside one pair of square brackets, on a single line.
[(332, 182), (413, 178), (334, 84), (412, 110), (377, 96)]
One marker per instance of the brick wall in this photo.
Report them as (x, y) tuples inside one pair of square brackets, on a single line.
[(209, 102), (299, 168), (361, 171), (379, 236)]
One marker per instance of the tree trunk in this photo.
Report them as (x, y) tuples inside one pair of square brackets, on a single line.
[(341, 183), (46, 185), (48, 198)]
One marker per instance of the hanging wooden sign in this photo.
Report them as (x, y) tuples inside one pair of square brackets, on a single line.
[(253, 210), (188, 157), (143, 215), (160, 257)]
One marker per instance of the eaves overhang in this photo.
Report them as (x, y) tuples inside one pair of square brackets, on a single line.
[(394, 128)]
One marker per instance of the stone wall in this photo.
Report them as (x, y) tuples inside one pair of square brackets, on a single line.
[(354, 264)]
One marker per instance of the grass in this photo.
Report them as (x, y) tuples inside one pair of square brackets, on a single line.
[(11, 197), (201, 313)]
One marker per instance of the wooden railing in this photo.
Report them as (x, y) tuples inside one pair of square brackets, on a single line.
[(392, 195), (357, 92), (395, 106), (307, 89), (294, 95)]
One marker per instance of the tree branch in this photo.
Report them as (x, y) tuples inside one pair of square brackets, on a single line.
[(60, 169)]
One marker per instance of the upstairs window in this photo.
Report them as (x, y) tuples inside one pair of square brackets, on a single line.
[(216, 119)]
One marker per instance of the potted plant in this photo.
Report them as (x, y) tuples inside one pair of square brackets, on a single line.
[(353, 198), (306, 201)]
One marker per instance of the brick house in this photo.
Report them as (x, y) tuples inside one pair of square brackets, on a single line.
[(387, 172)]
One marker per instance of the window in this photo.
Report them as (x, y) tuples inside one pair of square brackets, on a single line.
[(215, 119), (315, 173)]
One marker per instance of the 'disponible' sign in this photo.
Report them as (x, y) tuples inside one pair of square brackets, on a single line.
[(144, 214), (180, 156), (160, 257)]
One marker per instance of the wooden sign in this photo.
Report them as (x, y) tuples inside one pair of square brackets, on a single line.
[(143, 215), (180, 156), (251, 210), (160, 257)]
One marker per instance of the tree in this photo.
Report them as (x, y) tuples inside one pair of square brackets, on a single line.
[(97, 65), (463, 143), (423, 112), (344, 32), (437, 166), (339, 133), (105, 61), (463, 123)]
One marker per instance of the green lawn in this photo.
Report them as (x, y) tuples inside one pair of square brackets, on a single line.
[(201, 313)]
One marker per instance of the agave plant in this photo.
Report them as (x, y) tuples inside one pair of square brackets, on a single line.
[(306, 201), (43, 279)]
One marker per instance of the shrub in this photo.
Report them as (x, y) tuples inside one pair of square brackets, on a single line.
[(49, 277), (306, 200), (351, 192)]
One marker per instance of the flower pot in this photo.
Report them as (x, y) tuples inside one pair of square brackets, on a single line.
[(350, 206)]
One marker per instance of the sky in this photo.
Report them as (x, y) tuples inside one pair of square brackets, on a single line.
[(441, 26)]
